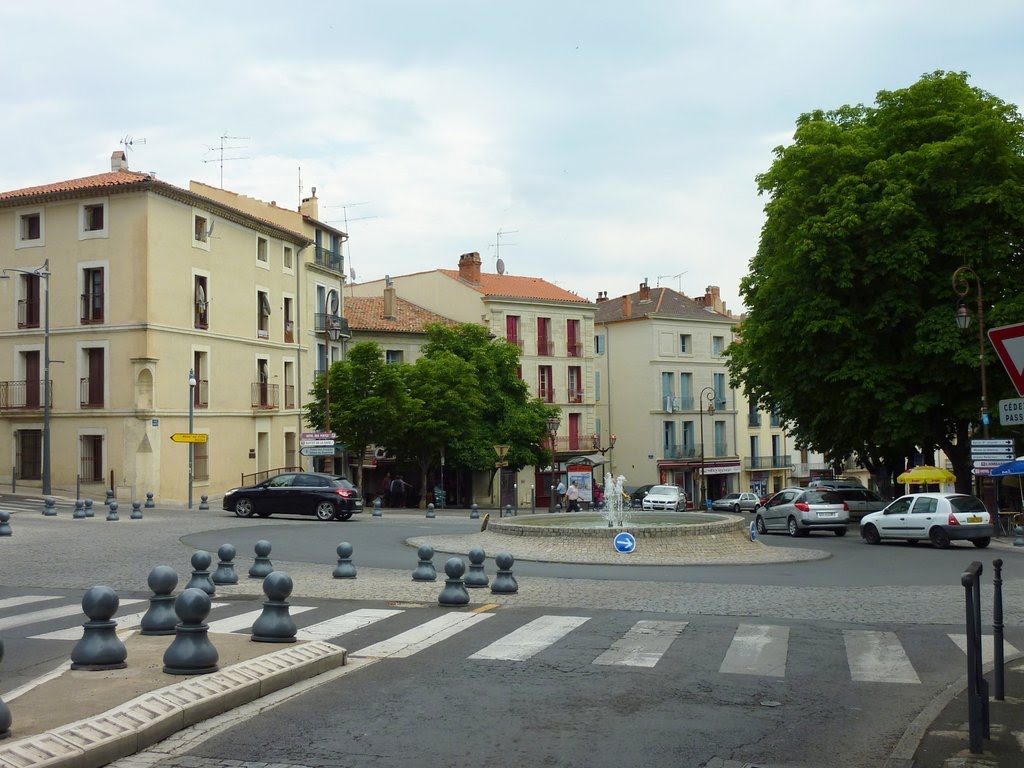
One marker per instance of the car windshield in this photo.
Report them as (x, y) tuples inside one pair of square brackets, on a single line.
[(664, 490), (966, 504), (344, 482), (731, 496)]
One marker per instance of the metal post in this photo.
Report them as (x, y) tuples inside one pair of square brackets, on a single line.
[(45, 274), (977, 688), (708, 393), (191, 413), (998, 676)]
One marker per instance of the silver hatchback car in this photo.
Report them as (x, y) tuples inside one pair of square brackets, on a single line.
[(798, 511)]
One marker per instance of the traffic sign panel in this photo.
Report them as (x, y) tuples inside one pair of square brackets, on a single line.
[(624, 542), (189, 437), (1008, 342), (1011, 412), (995, 441), (317, 436), (312, 443), (317, 450)]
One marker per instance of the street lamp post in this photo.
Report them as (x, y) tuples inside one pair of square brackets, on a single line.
[(708, 393), (43, 272), (595, 443), (961, 284), (553, 423), (191, 445)]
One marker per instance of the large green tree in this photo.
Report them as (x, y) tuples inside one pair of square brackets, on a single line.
[(849, 333)]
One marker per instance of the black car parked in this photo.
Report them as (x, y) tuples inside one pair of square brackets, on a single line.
[(297, 493)]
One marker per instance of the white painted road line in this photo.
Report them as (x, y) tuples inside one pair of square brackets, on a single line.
[(127, 622), (348, 622), (14, 602), (48, 614), (757, 649), (422, 637), (988, 646), (877, 657), (530, 639), (643, 645), (246, 620)]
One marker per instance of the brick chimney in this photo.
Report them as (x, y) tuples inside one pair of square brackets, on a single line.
[(602, 296), (713, 300), (118, 161), (389, 300), (310, 206), (645, 291), (627, 306), (469, 268)]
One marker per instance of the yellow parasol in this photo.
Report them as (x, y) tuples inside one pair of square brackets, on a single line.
[(926, 476)]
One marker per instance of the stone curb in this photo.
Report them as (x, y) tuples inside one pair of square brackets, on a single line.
[(152, 717)]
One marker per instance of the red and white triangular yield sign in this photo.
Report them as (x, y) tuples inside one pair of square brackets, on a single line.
[(1008, 342)]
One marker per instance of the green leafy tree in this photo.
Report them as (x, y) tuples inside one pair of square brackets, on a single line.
[(366, 399), (849, 333)]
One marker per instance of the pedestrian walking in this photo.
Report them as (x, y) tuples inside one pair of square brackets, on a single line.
[(560, 490), (398, 486), (573, 497)]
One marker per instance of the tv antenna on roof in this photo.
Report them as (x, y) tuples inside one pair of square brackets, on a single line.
[(499, 265), (129, 143), (221, 151), (678, 276)]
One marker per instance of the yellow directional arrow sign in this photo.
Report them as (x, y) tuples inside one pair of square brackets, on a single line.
[(189, 437)]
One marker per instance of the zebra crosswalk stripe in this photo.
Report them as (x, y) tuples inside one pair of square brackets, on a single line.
[(425, 635), (757, 649), (643, 645), (877, 657), (530, 639), (14, 602), (47, 614), (988, 647), (246, 620), (347, 622), (124, 623)]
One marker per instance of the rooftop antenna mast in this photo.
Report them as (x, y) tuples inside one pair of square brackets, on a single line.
[(346, 245), (499, 265), (129, 143), (224, 148), (679, 280)]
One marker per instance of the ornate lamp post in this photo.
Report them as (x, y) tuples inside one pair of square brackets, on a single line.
[(43, 273), (191, 446), (553, 423), (961, 284), (708, 393), (595, 443)]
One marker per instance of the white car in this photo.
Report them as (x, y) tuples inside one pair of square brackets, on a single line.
[(670, 497), (937, 517)]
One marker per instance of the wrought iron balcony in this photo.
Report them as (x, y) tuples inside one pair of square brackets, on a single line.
[(326, 258), (767, 462), (24, 395), (327, 323), (683, 451), (264, 395)]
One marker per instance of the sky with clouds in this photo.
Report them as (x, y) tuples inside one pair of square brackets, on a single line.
[(608, 142)]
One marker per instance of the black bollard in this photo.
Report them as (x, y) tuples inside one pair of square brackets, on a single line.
[(191, 652), (275, 624), (430, 511), (49, 508), (112, 513), (79, 510), (160, 618), (376, 507), (474, 512), (201, 573), (998, 670), (149, 500), (425, 569), (5, 713), (477, 577), (136, 511), (504, 582), (977, 686), (204, 502), (261, 566), (454, 592), (225, 573), (344, 569), (100, 648), (5, 523), (88, 508)]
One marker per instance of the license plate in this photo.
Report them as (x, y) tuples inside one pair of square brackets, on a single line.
[(828, 514), (974, 519)]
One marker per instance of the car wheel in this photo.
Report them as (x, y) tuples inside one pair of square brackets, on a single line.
[(981, 543), (243, 508), (343, 515), (870, 535), (939, 538), (792, 527), (761, 527), (735, 509), (840, 531), (325, 510)]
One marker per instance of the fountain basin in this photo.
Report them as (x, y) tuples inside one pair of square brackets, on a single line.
[(646, 525)]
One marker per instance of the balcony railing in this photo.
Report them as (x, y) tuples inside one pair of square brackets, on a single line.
[(325, 258), (574, 349), (92, 308), (545, 347), (90, 393), (289, 395), (518, 342), (775, 420), (767, 462), (264, 395), (23, 395), (721, 448), (754, 419), (201, 394), (547, 394), (28, 314), (575, 396), (565, 443), (289, 332), (324, 322), (683, 451)]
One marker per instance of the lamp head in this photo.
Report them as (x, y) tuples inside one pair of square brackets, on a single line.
[(963, 317)]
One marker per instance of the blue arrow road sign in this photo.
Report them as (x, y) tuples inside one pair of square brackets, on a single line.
[(625, 543)]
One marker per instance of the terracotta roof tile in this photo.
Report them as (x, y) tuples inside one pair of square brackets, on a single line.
[(366, 313), (663, 302), (99, 181), (516, 286)]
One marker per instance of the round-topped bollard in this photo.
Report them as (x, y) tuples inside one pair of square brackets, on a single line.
[(476, 577), (191, 652), (201, 560), (376, 507), (112, 513), (89, 512), (5, 523), (275, 624), (261, 566), (344, 569), (430, 511), (454, 592), (49, 507), (504, 582), (100, 648), (79, 513), (160, 618), (5, 713), (136, 511), (225, 573), (149, 500), (204, 503), (474, 512), (425, 570)]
